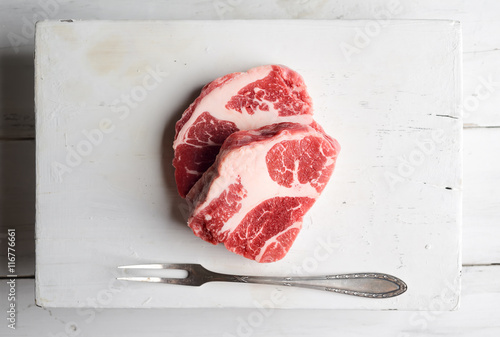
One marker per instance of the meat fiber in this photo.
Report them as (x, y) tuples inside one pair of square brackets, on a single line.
[(240, 101), (253, 198)]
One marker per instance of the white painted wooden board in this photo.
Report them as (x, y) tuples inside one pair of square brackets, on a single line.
[(398, 99)]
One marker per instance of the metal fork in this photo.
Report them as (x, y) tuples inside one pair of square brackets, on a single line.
[(372, 285)]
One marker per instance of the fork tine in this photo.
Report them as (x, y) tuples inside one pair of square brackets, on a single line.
[(189, 279), (143, 266), (192, 279), (180, 281), (182, 266), (140, 279)]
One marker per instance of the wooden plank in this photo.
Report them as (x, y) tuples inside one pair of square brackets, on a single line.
[(478, 18), (481, 203), (478, 316)]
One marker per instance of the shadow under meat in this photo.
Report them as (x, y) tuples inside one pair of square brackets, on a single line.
[(178, 206)]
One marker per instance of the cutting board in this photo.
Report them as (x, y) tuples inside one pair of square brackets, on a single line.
[(108, 95)]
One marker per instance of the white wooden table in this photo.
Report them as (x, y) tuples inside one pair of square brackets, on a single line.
[(478, 315)]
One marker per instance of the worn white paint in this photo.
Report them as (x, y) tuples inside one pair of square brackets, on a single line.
[(113, 208)]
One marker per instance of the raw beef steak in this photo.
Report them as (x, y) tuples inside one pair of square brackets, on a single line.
[(240, 101), (254, 196)]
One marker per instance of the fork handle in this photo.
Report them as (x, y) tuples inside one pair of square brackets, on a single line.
[(372, 285)]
